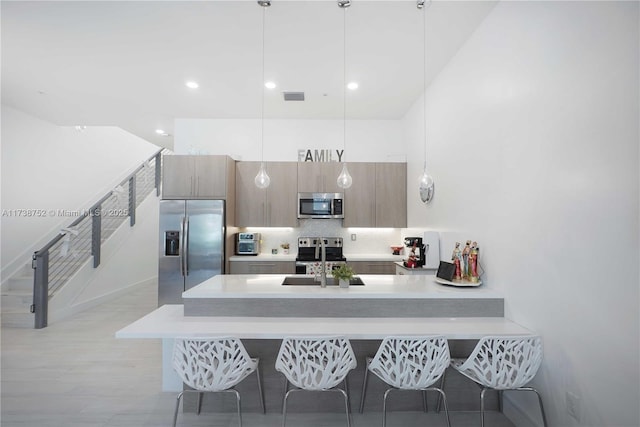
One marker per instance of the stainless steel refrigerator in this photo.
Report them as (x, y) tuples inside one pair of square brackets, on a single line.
[(191, 246)]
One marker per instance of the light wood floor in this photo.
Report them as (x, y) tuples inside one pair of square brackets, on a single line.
[(74, 373)]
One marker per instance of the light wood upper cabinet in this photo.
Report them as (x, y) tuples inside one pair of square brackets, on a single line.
[(360, 198), (391, 195), (319, 177), (274, 206), (378, 196), (250, 199), (195, 177)]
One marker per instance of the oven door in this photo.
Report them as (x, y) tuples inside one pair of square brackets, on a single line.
[(313, 268)]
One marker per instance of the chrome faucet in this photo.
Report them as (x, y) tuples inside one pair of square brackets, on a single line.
[(323, 262)]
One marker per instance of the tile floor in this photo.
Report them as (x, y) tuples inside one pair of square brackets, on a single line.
[(74, 373)]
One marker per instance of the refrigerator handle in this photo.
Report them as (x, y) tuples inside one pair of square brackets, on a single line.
[(186, 246), (182, 246)]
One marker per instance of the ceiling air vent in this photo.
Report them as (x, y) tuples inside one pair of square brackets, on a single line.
[(293, 96)]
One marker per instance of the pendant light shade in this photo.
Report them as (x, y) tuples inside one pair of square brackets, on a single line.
[(344, 179), (426, 185), (262, 179)]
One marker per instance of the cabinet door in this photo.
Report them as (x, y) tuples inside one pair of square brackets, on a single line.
[(262, 267), (372, 267), (391, 195), (210, 177), (250, 200), (360, 198), (178, 177), (281, 195), (319, 177)]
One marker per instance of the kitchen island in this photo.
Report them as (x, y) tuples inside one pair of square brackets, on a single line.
[(380, 296), (261, 311)]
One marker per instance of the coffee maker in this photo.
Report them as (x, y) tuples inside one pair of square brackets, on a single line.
[(417, 255)]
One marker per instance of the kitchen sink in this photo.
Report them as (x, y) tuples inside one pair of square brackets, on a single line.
[(310, 281)]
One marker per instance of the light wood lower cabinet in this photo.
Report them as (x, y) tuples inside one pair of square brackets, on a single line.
[(262, 267), (373, 267)]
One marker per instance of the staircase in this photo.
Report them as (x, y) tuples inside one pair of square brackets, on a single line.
[(74, 247), (16, 297)]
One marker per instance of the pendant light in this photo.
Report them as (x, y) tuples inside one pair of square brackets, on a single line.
[(262, 179), (426, 181), (344, 179)]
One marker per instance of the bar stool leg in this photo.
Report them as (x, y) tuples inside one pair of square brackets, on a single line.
[(200, 395), (439, 402), (364, 383), (482, 407), (260, 388)]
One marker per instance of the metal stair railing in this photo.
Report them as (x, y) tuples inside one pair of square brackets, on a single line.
[(59, 259)]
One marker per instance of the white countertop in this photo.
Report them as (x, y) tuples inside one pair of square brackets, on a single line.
[(169, 321), (292, 257), (376, 286)]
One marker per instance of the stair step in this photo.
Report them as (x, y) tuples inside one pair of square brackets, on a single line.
[(22, 283), (16, 301), (17, 319)]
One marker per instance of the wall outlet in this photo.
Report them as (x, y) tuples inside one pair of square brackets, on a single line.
[(353, 237), (573, 405)]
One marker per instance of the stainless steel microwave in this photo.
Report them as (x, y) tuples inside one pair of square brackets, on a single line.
[(320, 205)]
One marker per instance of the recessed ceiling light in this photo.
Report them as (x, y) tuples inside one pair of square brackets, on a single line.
[(270, 85), (352, 85), (192, 85), (161, 132)]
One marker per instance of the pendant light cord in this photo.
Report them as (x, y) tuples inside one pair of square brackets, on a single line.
[(344, 84), (424, 79), (264, 11)]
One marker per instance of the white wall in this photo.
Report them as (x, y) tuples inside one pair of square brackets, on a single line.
[(49, 167), (533, 144), (366, 140)]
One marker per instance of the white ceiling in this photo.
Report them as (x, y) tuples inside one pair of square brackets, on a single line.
[(126, 63)]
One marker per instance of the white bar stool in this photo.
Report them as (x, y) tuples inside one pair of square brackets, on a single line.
[(213, 364), (503, 363), (315, 364), (411, 363)]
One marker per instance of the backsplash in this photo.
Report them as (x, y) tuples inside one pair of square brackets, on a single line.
[(368, 240)]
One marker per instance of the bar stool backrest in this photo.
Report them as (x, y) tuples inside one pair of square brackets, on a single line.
[(504, 362), (211, 363), (411, 362), (315, 363)]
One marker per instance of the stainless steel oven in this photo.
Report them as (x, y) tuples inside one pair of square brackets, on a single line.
[(309, 256)]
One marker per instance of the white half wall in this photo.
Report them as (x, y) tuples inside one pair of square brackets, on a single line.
[(366, 140), (48, 168), (533, 144)]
